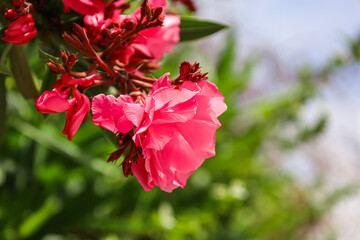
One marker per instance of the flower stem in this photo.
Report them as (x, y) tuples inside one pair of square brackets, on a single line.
[(21, 72), (2, 107)]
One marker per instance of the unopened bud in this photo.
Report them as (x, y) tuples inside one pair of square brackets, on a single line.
[(145, 9), (128, 25), (17, 3), (11, 15), (126, 164), (156, 12), (185, 68), (55, 67)]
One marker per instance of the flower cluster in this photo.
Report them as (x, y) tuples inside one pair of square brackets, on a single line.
[(164, 128), (22, 29)]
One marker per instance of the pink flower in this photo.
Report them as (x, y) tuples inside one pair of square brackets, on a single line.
[(85, 6), (21, 31), (177, 132), (109, 112), (90, 6), (161, 40), (65, 97)]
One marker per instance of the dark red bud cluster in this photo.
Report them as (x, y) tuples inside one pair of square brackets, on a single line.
[(69, 60), (130, 158), (153, 15), (124, 140), (190, 72), (21, 8)]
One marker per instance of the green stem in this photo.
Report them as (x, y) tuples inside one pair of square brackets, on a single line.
[(2, 107), (21, 71)]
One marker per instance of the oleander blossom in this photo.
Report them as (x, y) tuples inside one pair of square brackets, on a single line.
[(175, 128), (65, 97), (177, 133)]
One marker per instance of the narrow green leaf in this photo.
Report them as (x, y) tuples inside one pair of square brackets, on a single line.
[(193, 28), (227, 58), (44, 56), (21, 71), (4, 48), (2, 107), (38, 218)]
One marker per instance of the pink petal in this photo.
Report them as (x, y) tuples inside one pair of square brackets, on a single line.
[(76, 115), (138, 169), (101, 108), (52, 102), (134, 113)]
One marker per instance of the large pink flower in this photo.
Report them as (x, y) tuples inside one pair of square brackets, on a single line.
[(21, 31), (177, 132)]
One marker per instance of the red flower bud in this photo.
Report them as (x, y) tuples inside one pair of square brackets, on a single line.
[(156, 12), (21, 31), (184, 68), (11, 15), (128, 25), (17, 3), (55, 67)]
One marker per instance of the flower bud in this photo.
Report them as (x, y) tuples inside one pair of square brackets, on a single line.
[(156, 12), (17, 3), (11, 15), (128, 25), (55, 67), (145, 9), (184, 68)]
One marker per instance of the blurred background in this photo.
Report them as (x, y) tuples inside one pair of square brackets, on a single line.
[(287, 163)]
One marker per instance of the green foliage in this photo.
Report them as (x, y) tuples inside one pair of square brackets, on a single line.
[(192, 28)]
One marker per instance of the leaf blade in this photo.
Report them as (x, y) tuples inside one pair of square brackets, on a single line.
[(193, 28)]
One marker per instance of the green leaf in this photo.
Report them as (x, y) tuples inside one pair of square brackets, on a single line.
[(38, 218), (193, 28), (44, 57)]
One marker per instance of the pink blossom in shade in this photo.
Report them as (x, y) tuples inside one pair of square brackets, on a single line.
[(77, 114), (161, 40), (21, 31), (109, 112), (65, 97), (177, 132), (85, 6)]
